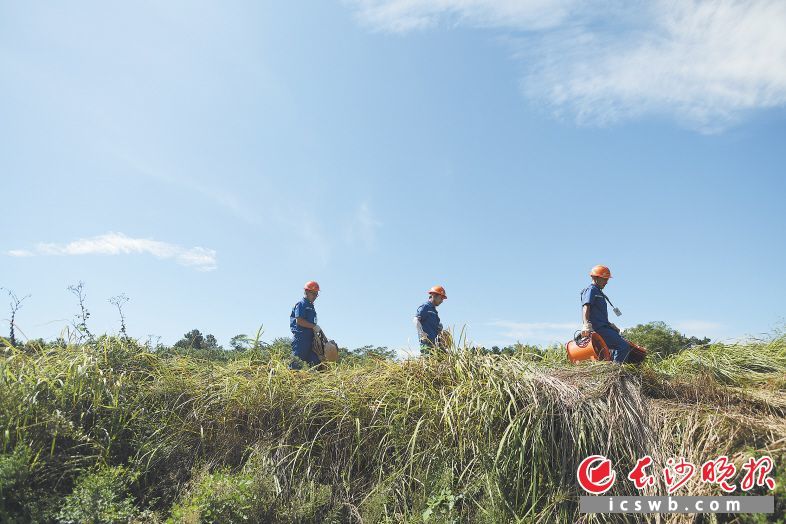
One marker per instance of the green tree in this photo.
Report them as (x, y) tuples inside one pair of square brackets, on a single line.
[(195, 340), (240, 342), (376, 352), (211, 342), (661, 339), (366, 353)]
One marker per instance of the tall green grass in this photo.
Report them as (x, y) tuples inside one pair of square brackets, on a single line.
[(462, 436)]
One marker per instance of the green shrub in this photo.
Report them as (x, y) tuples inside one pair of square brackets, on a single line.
[(101, 497), (14, 472), (441, 506), (217, 497), (660, 339), (252, 495), (21, 499), (14, 483)]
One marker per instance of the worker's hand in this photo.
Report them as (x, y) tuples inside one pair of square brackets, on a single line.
[(586, 329), (317, 329), (615, 328), (440, 326)]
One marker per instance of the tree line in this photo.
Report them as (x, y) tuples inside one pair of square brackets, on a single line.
[(658, 337)]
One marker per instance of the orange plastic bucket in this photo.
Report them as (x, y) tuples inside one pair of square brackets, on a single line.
[(594, 348), (587, 348), (637, 353)]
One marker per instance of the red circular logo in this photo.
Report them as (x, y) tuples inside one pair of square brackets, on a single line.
[(595, 474)]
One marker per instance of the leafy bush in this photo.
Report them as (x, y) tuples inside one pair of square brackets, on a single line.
[(14, 474), (660, 339), (216, 498), (14, 484), (22, 499), (443, 504), (101, 497)]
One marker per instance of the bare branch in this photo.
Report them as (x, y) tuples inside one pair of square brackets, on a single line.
[(119, 301), (16, 305), (81, 326)]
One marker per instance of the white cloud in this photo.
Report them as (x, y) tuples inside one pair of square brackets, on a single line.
[(535, 332), (20, 253), (200, 258), (233, 203), (407, 15), (363, 227), (704, 63), (313, 238), (274, 214)]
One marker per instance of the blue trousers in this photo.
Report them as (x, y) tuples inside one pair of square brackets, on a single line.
[(301, 348), (618, 347)]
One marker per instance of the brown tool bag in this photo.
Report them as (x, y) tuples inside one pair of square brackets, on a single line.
[(326, 350)]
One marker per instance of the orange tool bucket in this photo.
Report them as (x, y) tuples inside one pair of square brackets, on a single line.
[(637, 353), (587, 348), (594, 347)]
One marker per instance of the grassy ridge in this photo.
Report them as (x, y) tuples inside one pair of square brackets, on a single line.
[(460, 437)]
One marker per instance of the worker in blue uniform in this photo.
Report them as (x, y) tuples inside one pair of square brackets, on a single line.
[(427, 319), (595, 315), (303, 324)]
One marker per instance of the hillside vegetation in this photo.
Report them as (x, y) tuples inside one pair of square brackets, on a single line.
[(108, 431)]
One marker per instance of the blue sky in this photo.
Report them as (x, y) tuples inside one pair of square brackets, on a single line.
[(206, 159)]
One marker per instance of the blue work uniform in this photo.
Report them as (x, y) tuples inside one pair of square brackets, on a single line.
[(599, 318), (429, 319), (302, 338)]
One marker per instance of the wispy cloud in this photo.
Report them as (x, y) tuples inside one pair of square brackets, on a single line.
[(535, 332), (199, 258), (274, 214), (703, 63), (314, 236), (407, 15), (217, 193), (363, 226), (20, 253)]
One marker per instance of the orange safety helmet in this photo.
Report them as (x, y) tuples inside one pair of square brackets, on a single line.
[(600, 271), (311, 286), (438, 290)]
